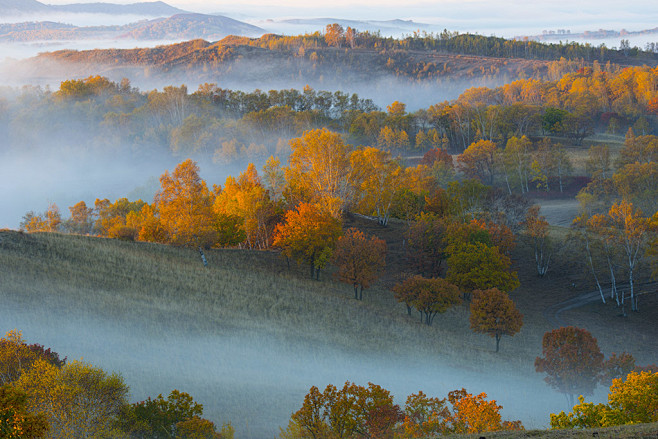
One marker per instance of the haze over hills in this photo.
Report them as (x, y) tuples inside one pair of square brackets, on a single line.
[(247, 64), (24, 7), (395, 28), (177, 27)]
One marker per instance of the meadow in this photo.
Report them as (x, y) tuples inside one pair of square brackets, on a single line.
[(247, 336)]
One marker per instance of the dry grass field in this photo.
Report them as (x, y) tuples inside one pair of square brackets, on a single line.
[(247, 337)]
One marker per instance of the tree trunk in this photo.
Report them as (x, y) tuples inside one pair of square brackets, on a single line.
[(356, 296), (203, 257), (630, 281), (497, 341), (591, 266)]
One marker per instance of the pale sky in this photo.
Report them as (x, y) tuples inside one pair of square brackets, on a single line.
[(502, 18)]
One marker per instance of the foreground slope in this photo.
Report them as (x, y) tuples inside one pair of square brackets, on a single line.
[(247, 336)]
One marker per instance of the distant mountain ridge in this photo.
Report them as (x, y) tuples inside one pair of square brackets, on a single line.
[(297, 26), (176, 27), (24, 7)]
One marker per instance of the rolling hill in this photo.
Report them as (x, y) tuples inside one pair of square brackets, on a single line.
[(176, 27), (247, 336)]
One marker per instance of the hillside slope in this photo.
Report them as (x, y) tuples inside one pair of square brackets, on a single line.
[(247, 336)]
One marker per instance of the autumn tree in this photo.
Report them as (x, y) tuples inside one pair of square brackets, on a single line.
[(17, 357), (111, 217), (376, 178), (625, 228), (49, 221), (538, 235), (632, 400), (185, 206), (474, 414), (517, 160), (467, 198), (479, 161), (478, 266), (478, 230), (360, 259), (177, 416), (334, 35), (617, 366), (353, 411), (308, 235), (599, 163), (81, 220), (426, 243), (494, 313), (247, 199), (147, 224), (424, 416), (428, 296), (582, 235), (319, 170), (274, 178), (437, 155), (571, 360), (79, 400), (16, 421)]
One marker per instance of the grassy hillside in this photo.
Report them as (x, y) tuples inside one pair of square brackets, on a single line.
[(247, 336)]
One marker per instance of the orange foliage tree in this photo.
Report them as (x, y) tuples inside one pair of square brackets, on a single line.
[(185, 206), (474, 414), (428, 296), (494, 313), (360, 259), (308, 235), (572, 361)]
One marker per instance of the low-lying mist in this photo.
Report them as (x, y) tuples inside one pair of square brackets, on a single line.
[(32, 181), (248, 75), (256, 380), (21, 50)]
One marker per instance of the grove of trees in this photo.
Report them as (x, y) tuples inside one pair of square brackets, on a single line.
[(43, 396)]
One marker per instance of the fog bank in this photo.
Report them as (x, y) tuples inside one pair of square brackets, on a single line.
[(256, 380)]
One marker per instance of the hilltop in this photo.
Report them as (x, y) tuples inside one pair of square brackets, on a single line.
[(176, 27)]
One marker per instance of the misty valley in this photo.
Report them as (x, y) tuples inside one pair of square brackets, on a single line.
[(335, 234)]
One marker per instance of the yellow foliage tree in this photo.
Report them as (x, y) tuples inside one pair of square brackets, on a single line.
[(79, 400), (479, 161), (376, 178), (630, 401), (319, 170), (16, 422), (246, 198)]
